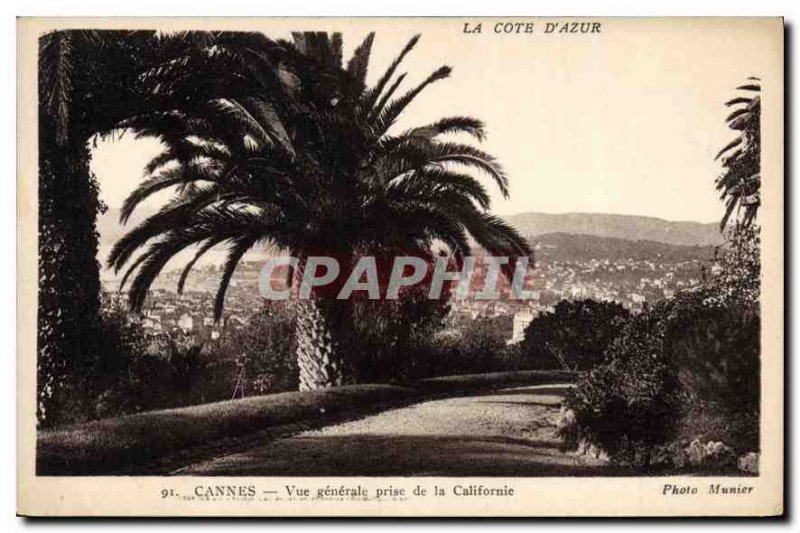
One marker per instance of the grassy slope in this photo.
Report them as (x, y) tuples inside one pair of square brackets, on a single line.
[(128, 443)]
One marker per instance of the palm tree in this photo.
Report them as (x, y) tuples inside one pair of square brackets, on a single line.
[(740, 181), (83, 83), (90, 81), (305, 160)]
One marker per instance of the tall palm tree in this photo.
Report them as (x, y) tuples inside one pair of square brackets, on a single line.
[(84, 79), (740, 181), (89, 82), (305, 160)]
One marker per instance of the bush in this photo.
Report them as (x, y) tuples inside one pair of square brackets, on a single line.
[(574, 336), (119, 342), (688, 368), (179, 374), (137, 373), (738, 279), (716, 349), (391, 337), (467, 346), (630, 401), (262, 354)]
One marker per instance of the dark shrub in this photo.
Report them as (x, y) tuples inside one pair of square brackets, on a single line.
[(688, 368), (120, 342), (716, 349), (631, 400), (139, 373), (262, 354), (392, 336), (574, 336), (467, 346)]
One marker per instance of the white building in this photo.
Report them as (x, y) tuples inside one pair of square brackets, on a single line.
[(521, 321), (186, 323)]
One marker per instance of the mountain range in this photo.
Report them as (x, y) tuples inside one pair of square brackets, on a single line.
[(630, 227), (576, 247), (568, 236)]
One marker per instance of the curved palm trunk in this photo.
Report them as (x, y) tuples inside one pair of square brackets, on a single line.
[(320, 333)]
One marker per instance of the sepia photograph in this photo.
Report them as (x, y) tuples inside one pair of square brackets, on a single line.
[(278, 263)]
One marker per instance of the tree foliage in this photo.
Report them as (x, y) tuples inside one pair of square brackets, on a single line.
[(738, 279), (263, 352), (715, 346), (88, 83), (740, 181), (297, 152), (393, 335), (300, 157), (691, 366), (687, 368), (629, 400), (574, 336)]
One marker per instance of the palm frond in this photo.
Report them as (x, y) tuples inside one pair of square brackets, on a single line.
[(373, 94), (413, 156), (55, 55), (438, 180), (357, 66), (204, 248), (738, 100), (740, 182), (176, 214), (155, 258), (388, 114), (320, 46), (737, 113), (470, 126), (169, 178), (239, 247), (733, 144), (381, 104)]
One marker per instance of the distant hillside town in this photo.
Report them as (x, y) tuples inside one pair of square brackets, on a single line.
[(567, 267)]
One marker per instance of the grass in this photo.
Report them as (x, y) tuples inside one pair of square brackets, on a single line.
[(471, 382), (128, 443)]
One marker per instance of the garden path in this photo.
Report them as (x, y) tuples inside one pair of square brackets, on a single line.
[(509, 432)]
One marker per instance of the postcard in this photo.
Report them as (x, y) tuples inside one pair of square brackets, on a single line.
[(400, 267)]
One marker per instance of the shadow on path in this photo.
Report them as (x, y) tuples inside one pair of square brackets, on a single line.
[(538, 390), (377, 455), (507, 433)]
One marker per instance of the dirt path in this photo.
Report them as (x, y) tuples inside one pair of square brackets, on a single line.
[(501, 433)]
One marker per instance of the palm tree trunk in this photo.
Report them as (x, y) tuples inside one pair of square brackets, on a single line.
[(319, 345), (69, 283)]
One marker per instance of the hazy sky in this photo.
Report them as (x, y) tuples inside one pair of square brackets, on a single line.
[(625, 121)]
